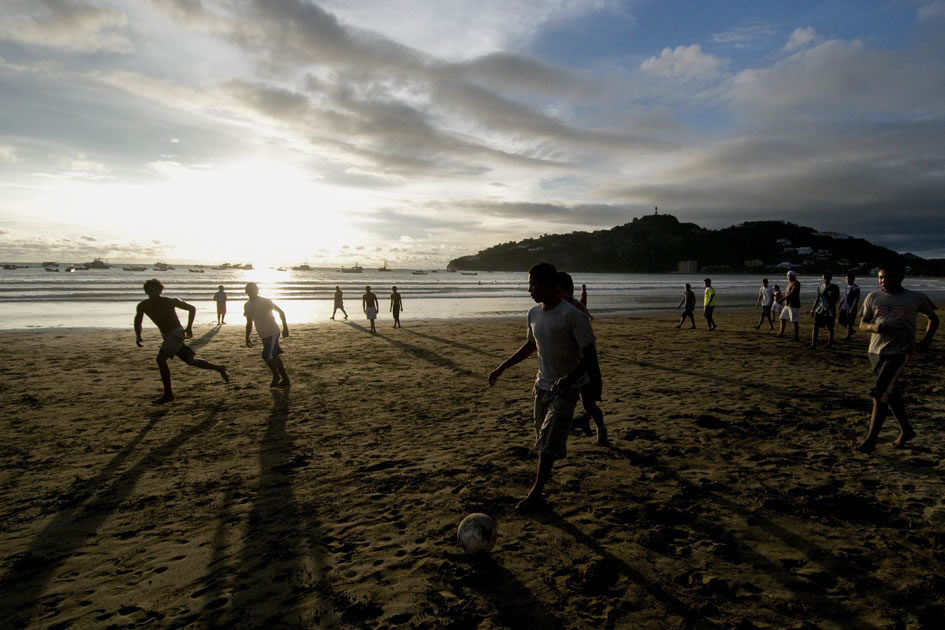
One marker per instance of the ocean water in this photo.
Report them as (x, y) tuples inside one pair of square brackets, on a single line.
[(106, 298)]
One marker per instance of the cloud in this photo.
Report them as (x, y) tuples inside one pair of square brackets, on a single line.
[(24, 246), (932, 11), (800, 38), (73, 26), (745, 35), (683, 63), (8, 154)]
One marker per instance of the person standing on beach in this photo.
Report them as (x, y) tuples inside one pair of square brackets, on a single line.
[(824, 310), (163, 312), (708, 304), (561, 335), (765, 300), (584, 295), (689, 299), (339, 303), (890, 315), (220, 298), (790, 312), (851, 300), (592, 392), (396, 305), (258, 310), (370, 306), (777, 301)]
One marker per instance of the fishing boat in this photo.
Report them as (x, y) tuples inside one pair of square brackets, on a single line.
[(419, 272), (302, 267), (52, 269), (134, 268), (70, 268), (356, 269), (384, 268), (195, 270), (98, 263), (9, 266), (162, 266), (470, 273)]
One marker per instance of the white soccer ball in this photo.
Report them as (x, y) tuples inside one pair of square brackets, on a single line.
[(477, 533)]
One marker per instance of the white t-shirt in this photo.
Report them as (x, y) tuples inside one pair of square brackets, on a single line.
[(899, 311), (767, 295), (560, 335), (260, 311)]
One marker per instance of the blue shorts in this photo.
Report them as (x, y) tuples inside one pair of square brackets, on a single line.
[(271, 348)]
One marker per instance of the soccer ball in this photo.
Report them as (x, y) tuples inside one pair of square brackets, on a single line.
[(477, 533)]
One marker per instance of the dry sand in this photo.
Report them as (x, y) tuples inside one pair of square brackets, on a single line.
[(728, 498)]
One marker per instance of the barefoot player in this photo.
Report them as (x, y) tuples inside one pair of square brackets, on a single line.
[(561, 335), (890, 315), (163, 312), (258, 310)]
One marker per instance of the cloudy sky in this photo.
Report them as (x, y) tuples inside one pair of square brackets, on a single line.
[(334, 131)]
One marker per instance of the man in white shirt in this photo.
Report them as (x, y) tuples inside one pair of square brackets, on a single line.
[(258, 310), (562, 336), (765, 300)]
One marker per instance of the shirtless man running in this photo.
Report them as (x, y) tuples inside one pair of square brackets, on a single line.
[(162, 311)]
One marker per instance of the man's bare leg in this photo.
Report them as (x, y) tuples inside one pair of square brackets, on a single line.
[(598, 416), (206, 365), (533, 499), (280, 368), (868, 445), (829, 337), (165, 380), (906, 432), (813, 338), (781, 329), (797, 331)]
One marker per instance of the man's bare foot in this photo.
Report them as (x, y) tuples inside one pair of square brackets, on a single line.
[(222, 371), (163, 400), (866, 447), (530, 504), (903, 438), (601, 434), (283, 383), (332, 317)]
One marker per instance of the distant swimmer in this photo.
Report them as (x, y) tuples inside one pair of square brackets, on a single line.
[(220, 298), (708, 304), (370, 306), (765, 301), (258, 311), (790, 311), (689, 300), (162, 311), (396, 305), (339, 303), (890, 315), (561, 335)]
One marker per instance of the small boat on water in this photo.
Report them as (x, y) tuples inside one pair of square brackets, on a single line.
[(384, 268), (356, 269), (98, 263), (10, 267), (470, 273), (50, 264), (70, 268), (162, 266), (52, 269), (419, 272), (134, 268), (195, 270), (302, 267)]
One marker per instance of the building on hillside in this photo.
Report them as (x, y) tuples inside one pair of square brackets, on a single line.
[(753, 264), (687, 266)]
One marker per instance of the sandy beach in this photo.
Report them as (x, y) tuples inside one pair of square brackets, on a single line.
[(729, 496)]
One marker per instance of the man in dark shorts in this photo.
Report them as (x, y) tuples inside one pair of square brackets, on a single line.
[(824, 310), (890, 315), (689, 299), (163, 312), (848, 306), (561, 335), (592, 392), (396, 305), (258, 310), (708, 304), (765, 301), (339, 303)]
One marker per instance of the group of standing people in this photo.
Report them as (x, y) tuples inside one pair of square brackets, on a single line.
[(370, 305)]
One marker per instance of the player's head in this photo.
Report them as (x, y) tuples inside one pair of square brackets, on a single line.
[(764, 282), (220, 287), (394, 289), (153, 287), (708, 282), (565, 285), (827, 276), (688, 287), (251, 289), (851, 277), (542, 281), (891, 274)]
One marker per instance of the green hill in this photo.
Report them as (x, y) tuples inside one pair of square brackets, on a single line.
[(657, 243)]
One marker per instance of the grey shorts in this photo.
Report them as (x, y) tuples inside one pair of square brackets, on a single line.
[(553, 414), (173, 345)]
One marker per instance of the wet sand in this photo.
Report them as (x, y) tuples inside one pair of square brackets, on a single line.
[(729, 496)]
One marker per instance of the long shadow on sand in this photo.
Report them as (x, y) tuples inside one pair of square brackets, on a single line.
[(73, 526), (452, 343), (421, 353), (826, 606), (205, 338)]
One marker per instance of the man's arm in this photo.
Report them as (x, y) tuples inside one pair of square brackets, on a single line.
[(520, 355), (249, 329), (681, 302), (923, 345), (758, 301), (191, 313), (563, 384), (139, 316), (285, 325)]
